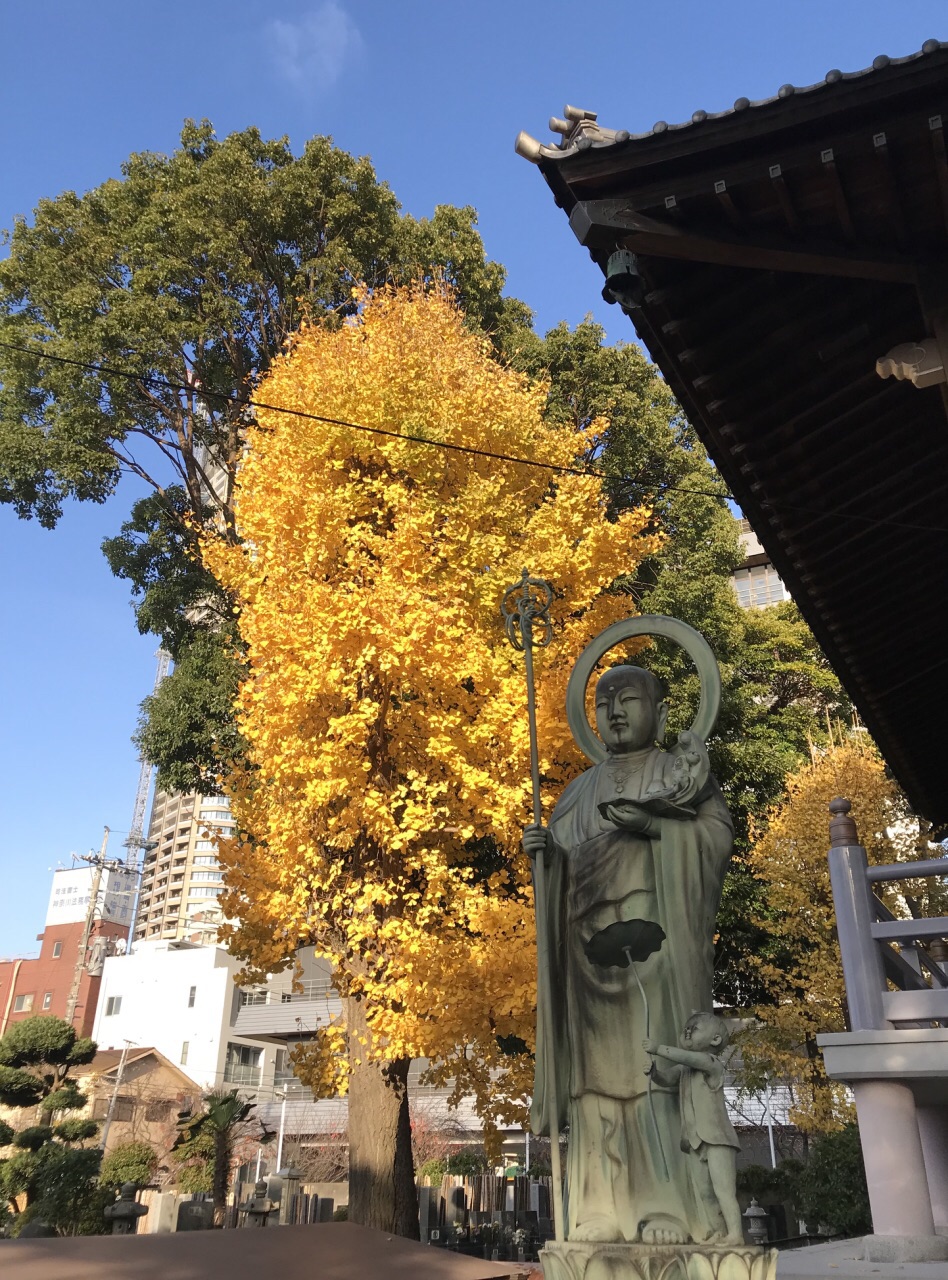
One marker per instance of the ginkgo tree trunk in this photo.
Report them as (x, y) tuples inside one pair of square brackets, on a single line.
[(387, 777)]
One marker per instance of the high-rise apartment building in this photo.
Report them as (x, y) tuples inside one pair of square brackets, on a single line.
[(181, 879)]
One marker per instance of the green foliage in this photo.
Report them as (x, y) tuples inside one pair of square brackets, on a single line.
[(777, 687), (56, 1179), (831, 1188), (33, 1137), (6, 1134), (75, 1129), (194, 269), (434, 1170), (157, 552), (65, 1188), (129, 1162), (771, 1185), (42, 1039), (19, 1088), (204, 1147), (67, 1098), (467, 1162), (193, 1158), (187, 727)]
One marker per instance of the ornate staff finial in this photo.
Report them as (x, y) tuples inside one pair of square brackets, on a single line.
[(525, 604)]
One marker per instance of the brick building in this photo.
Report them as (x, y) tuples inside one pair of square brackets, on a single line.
[(41, 984)]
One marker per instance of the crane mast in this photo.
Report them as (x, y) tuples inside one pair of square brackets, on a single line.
[(135, 841)]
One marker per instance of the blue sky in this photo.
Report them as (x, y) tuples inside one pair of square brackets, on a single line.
[(435, 93)]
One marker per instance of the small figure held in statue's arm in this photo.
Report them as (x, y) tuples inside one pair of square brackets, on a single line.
[(707, 1135)]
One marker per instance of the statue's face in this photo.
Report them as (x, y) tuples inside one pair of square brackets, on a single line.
[(701, 1033), (627, 710)]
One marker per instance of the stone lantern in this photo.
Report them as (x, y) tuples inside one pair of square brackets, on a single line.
[(756, 1219), (126, 1211)]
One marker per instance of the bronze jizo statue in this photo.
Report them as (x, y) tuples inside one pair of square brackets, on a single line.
[(635, 855)]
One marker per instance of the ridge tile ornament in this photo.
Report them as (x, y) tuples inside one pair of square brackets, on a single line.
[(628, 877)]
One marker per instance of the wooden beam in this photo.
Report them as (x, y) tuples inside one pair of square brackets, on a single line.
[(600, 221), (784, 199), (891, 188), (828, 160), (937, 132), (730, 208)]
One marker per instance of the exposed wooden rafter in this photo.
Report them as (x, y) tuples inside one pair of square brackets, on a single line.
[(593, 221)]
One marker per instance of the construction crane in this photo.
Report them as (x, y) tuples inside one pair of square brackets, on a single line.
[(135, 841)]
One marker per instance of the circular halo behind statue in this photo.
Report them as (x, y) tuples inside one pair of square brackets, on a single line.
[(652, 624)]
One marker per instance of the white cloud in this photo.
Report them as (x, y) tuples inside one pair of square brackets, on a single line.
[(312, 52)]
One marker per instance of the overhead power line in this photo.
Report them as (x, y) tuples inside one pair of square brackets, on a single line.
[(591, 472), (247, 402)]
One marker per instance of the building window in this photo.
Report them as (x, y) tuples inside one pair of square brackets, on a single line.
[(57, 950), (124, 1109), (184, 1052), (256, 995), (206, 891), (191, 994), (206, 875), (160, 1110), (283, 1068), (759, 586), (113, 1006), (243, 1064), (47, 999), (204, 860), (23, 1004)]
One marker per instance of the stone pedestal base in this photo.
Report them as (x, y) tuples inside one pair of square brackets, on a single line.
[(581, 1261), (905, 1248)]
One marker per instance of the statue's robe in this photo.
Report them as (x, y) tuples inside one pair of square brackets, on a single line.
[(599, 873)]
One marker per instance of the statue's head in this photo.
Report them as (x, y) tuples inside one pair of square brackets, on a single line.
[(630, 709), (705, 1033)]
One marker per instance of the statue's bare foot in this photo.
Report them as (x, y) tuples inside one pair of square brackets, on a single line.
[(733, 1238), (600, 1230), (663, 1230)]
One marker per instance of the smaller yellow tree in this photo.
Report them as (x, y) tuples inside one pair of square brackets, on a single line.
[(801, 970)]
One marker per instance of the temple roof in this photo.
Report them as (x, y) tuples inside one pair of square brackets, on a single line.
[(774, 254)]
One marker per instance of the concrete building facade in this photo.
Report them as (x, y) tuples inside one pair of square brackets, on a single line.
[(181, 998)]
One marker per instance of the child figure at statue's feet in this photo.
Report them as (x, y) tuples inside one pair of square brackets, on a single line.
[(707, 1135)]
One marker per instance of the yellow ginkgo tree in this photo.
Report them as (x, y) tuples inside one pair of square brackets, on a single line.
[(801, 971), (387, 770)]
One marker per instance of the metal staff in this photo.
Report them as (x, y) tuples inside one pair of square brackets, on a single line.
[(526, 605)]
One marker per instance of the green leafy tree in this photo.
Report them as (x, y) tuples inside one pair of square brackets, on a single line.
[(778, 689), (190, 273), (48, 1175), (208, 1139), (831, 1186), (129, 1162)]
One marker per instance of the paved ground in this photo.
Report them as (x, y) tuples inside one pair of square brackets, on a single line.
[(841, 1260)]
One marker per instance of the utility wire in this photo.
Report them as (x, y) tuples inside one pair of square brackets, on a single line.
[(247, 402)]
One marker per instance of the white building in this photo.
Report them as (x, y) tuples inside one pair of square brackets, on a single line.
[(756, 582), (181, 998), (72, 888)]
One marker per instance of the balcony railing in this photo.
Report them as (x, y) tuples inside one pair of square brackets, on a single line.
[(312, 989), (237, 1074), (876, 947)]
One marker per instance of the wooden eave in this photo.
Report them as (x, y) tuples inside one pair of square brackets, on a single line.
[(783, 248)]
